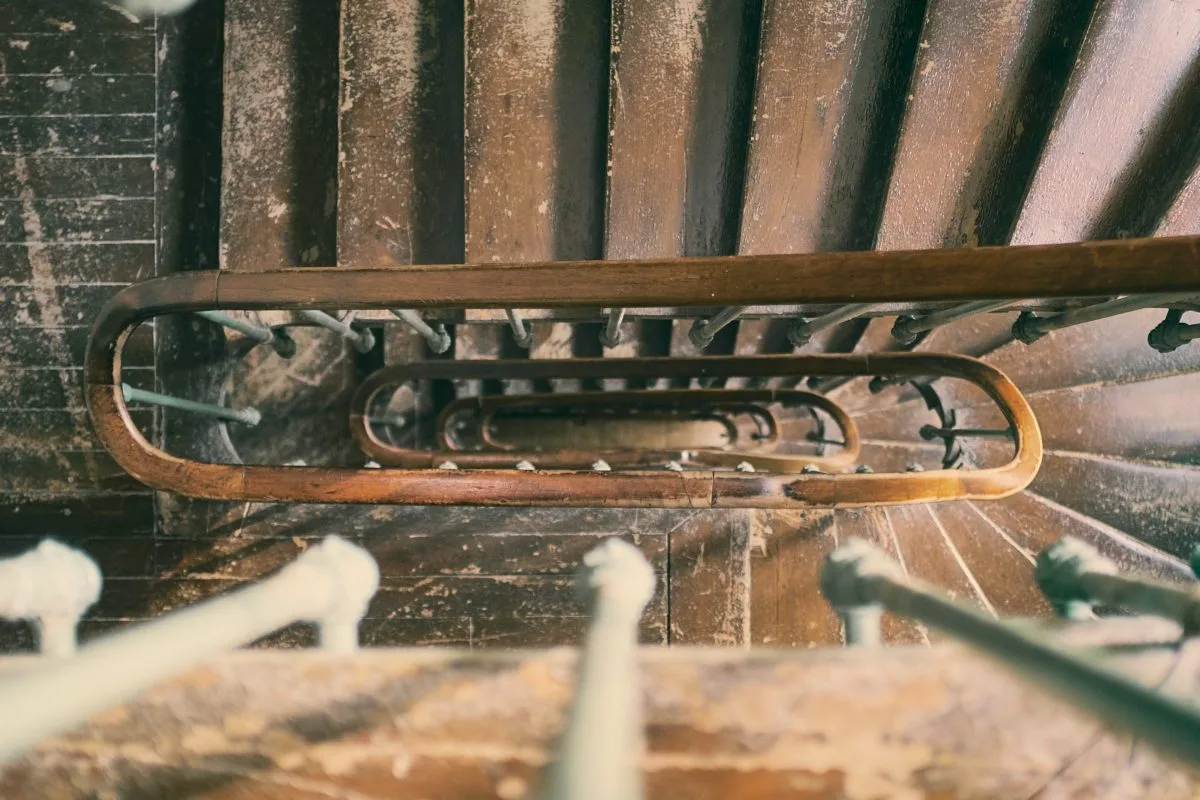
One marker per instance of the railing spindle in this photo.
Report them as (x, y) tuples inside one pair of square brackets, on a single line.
[(801, 331), (612, 335), (247, 416), (363, 341), (330, 584), (50, 586), (703, 331), (1029, 327), (907, 330), (521, 330), (1070, 571), (858, 575), (1171, 334), (599, 756), (438, 339)]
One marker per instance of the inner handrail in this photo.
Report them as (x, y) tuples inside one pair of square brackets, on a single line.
[(747, 401)]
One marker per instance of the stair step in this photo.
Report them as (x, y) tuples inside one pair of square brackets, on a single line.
[(944, 720), (400, 167), (505, 574), (1000, 571), (1152, 420), (281, 76), (1156, 504), (1108, 350), (931, 557), (1119, 109), (787, 551), (1035, 523), (960, 167)]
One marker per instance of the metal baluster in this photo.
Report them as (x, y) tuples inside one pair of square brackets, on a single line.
[(1070, 571), (1029, 327), (51, 586), (858, 575), (861, 616), (931, 432), (330, 584), (612, 335), (599, 756), (258, 334), (1171, 333), (438, 339), (907, 330), (703, 331), (280, 341), (801, 331), (247, 416), (521, 330), (362, 340)]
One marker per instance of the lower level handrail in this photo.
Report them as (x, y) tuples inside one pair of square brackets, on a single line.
[(747, 401)]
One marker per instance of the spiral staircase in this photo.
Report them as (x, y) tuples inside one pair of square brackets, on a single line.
[(385, 133), (249, 136), (524, 132)]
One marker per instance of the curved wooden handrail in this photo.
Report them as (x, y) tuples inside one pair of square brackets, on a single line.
[(698, 403), (484, 286), (737, 400), (724, 417), (489, 406)]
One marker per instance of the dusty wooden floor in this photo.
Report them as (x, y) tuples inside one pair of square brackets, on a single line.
[(581, 133), (938, 723)]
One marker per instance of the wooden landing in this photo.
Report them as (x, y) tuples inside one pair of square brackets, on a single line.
[(924, 723)]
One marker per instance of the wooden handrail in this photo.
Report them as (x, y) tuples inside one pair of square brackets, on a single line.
[(751, 401), (379, 288), (698, 403), (1133, 266)]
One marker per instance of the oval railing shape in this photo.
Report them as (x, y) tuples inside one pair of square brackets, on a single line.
[(933, 286), (686, 404)]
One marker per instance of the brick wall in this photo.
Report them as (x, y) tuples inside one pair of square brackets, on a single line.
[(77, 223)]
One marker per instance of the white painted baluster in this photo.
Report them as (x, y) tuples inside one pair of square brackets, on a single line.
[(330, 584), (51, 586), (599, 757)]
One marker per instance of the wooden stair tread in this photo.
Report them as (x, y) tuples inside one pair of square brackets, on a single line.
[(394, 723)]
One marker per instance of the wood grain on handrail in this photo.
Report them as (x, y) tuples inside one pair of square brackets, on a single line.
[(1125, 266), (713, 280), (741, 401), (540, 405)]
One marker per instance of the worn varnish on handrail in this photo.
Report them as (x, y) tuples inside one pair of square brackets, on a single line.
[(1066, 270), (752, 402)]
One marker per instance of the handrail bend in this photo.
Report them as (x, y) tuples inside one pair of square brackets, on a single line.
[(332, 288)]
